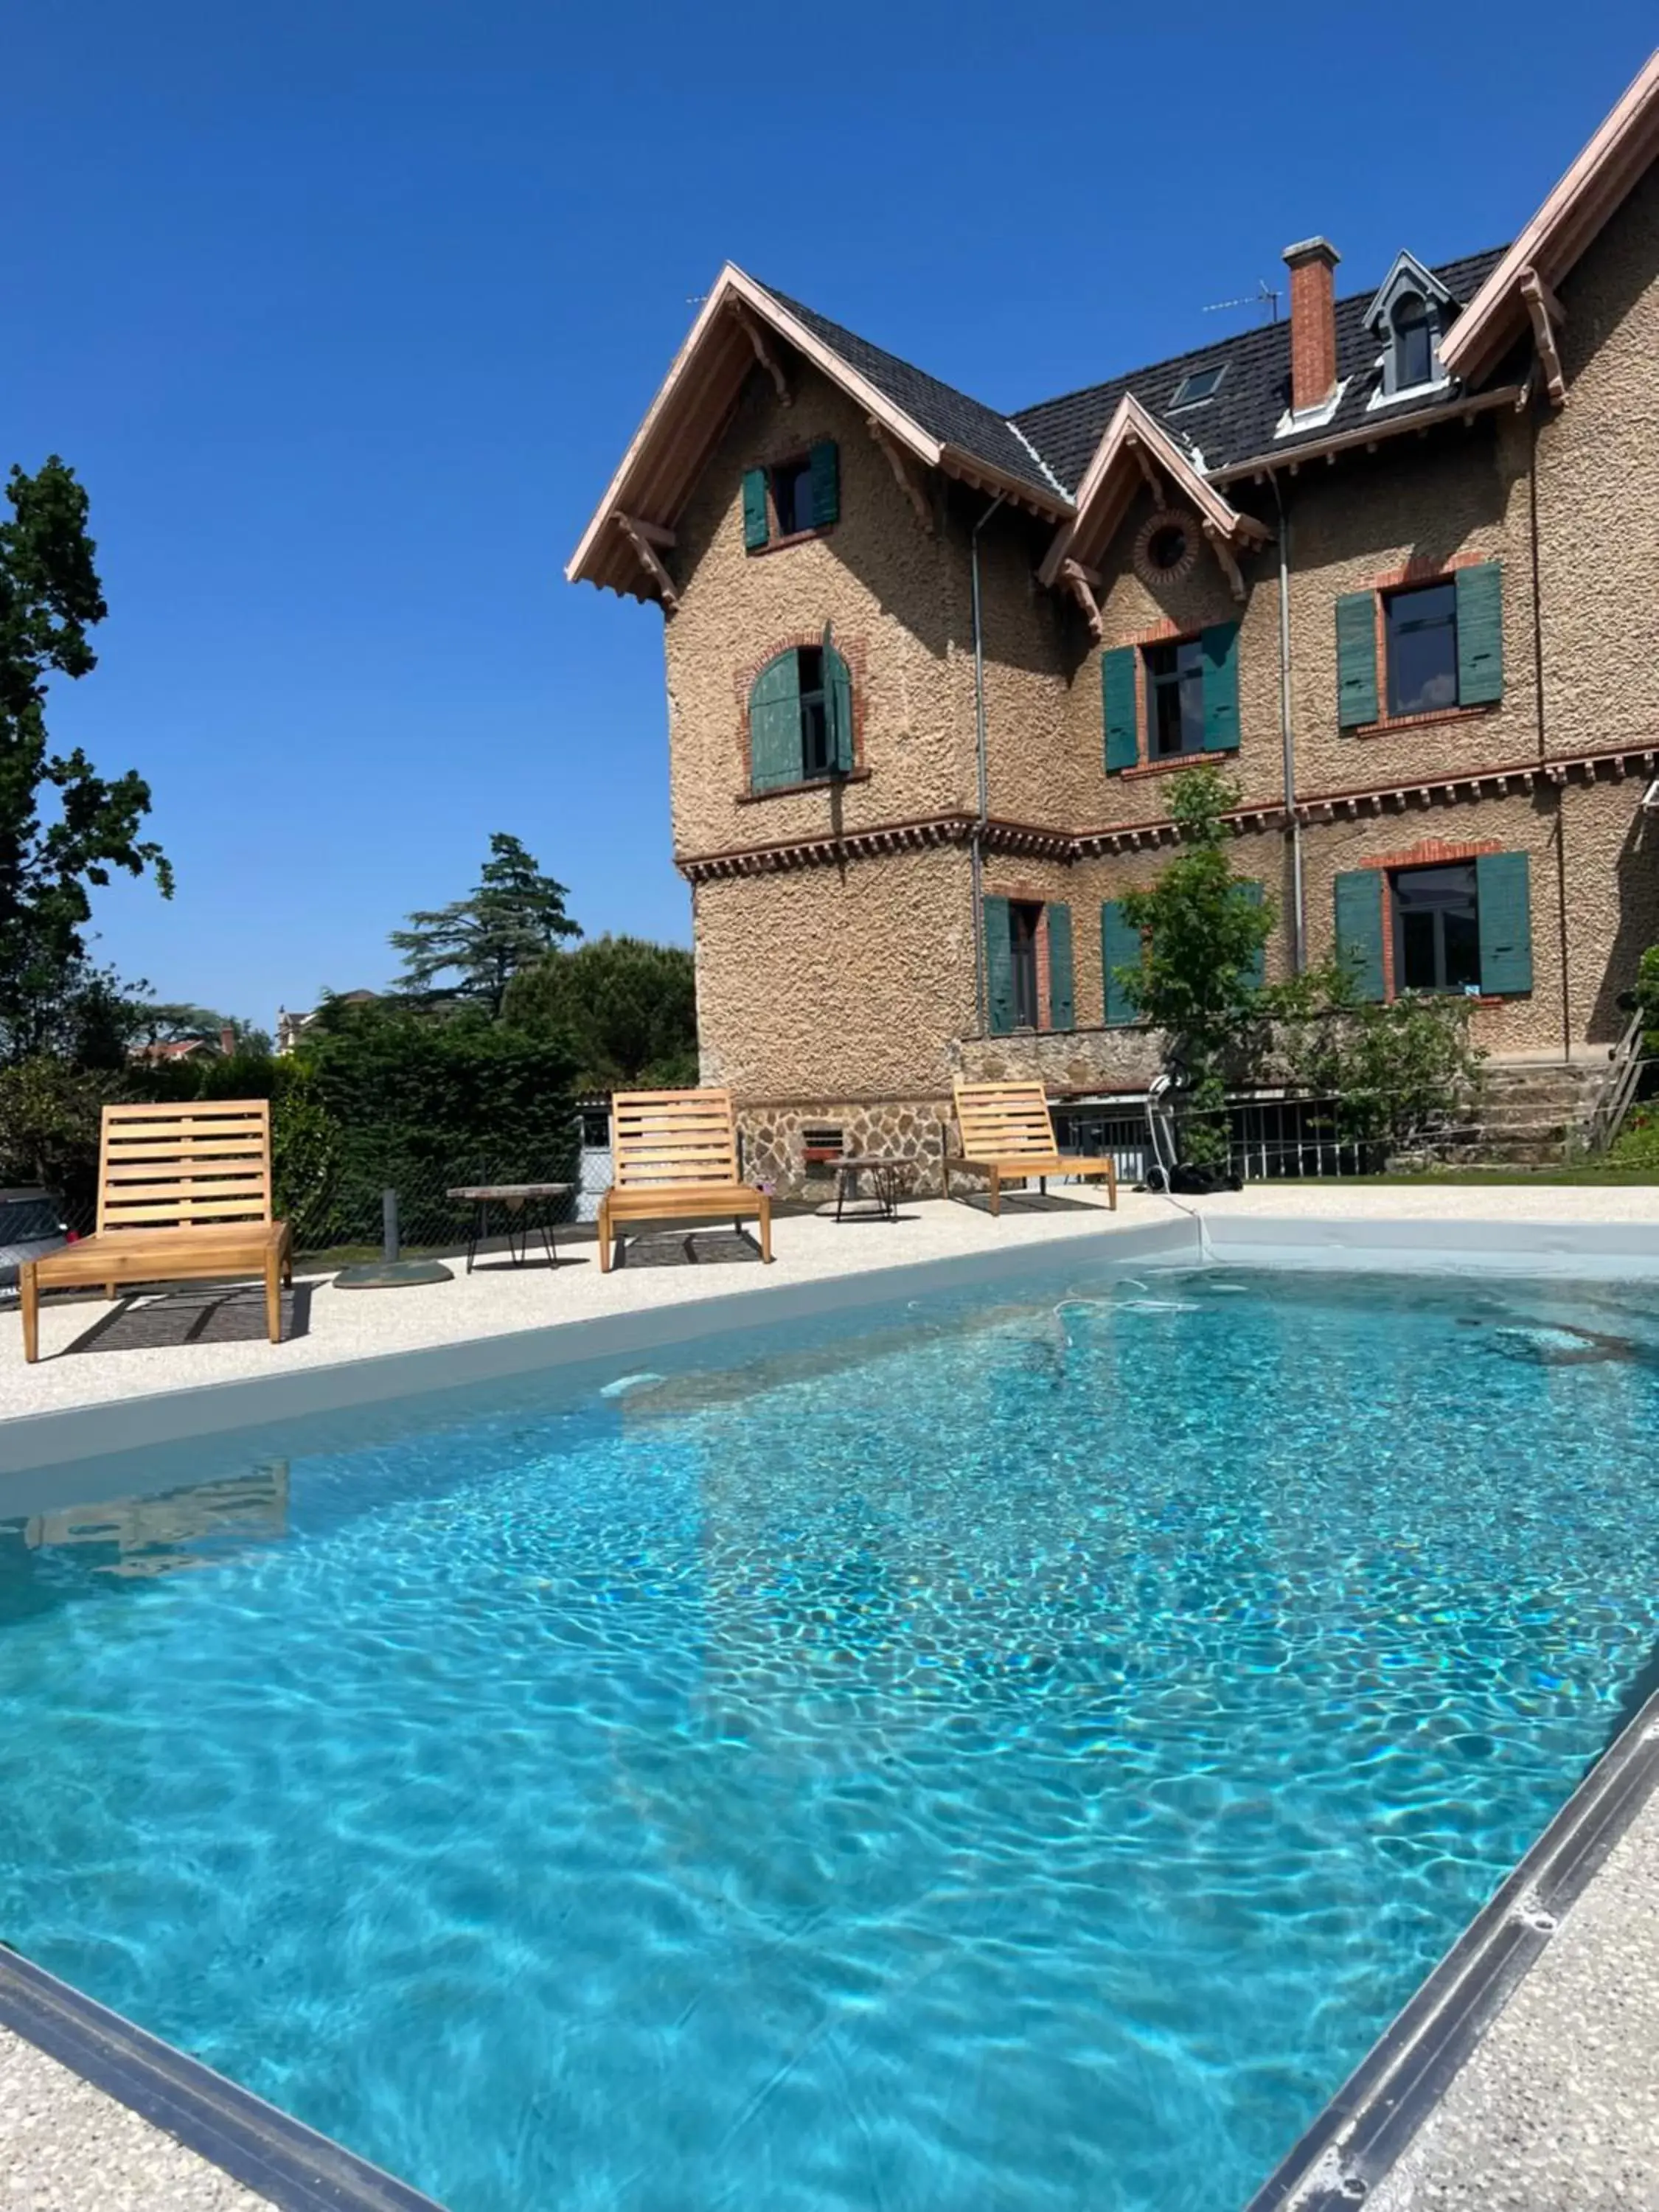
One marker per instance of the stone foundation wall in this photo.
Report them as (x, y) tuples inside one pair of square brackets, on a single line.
[(774, 1132), (1063, 1060)]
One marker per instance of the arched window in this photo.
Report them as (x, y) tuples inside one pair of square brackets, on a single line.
[(1413, 343), (801, 718)]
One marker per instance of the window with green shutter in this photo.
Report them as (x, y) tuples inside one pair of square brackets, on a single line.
[(801, 718), (1356, 658), (1359, 929), (792, 498), (824, 470), (755, 529), (1119, 686), (997, 920), (1480, 633), (1503, 892), (1248, 889), (1220, 649), (1120, 947), (1062, 1001)]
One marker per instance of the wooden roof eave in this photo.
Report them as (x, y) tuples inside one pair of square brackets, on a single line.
[(1594, 187)]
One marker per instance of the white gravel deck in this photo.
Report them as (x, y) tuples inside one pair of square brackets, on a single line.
[(93, 1353)]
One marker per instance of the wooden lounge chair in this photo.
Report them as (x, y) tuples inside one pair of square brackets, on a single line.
[(1007, 1135), (674, 1158), (184, 1195)]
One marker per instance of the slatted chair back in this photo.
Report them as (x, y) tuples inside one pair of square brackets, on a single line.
[(1004, 1121), (659, 1138), (203, 1165)]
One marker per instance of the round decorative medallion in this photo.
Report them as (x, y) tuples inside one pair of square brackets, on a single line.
[(1166, 547)]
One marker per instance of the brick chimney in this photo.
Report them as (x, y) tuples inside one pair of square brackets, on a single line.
[(228, 1041), (1313, 322)]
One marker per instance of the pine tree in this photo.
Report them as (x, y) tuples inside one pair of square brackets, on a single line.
[(468, 952)]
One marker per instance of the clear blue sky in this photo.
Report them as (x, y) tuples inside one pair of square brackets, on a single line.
[(344, 313)]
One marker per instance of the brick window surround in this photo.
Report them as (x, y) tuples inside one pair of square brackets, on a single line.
[(777, 543), (1163, 632), (1023, 894), (1427, 853), (852, 651), (1407, 576)]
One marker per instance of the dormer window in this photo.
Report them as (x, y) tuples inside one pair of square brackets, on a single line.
[(1409, 316), (1413, 343)]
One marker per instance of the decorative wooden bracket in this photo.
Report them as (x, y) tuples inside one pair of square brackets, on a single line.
[(763, 353), (1223, 554), (1546, 312), (899, 461), (1071, 573), (645, 538), (1145, 458)]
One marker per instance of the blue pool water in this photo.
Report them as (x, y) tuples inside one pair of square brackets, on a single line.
[(1016, 1761)]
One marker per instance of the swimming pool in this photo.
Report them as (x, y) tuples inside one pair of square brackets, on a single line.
[(970, 1756)]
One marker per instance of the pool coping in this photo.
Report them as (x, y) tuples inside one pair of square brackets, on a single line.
[(1367, 2125), (266, 2149)]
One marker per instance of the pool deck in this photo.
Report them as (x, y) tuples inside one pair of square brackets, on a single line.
[(1555, 2110), (93, 1353)]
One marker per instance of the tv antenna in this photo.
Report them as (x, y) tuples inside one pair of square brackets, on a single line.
[(1263, 296)]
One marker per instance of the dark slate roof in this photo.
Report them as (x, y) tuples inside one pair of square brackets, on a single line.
[(1239, 423), (944, 412)]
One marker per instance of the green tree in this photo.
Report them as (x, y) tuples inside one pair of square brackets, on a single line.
[(163, 1021), (1203, 938), (468, 952), (63, 828), (629, 1008)]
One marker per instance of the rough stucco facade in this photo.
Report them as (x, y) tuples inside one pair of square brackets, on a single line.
[(836, 928)]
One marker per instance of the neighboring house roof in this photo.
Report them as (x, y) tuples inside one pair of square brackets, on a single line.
[(1239, 422), (1613, 163)]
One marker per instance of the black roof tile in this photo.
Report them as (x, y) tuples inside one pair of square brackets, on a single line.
[(1049, 446), (1239, 421), (944, 412)]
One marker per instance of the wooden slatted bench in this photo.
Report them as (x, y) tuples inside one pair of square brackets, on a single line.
[(184, 1195), (1006, 1133), (674, 1158)]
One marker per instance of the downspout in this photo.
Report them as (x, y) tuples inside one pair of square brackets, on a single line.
[(1298, 905), (981, 1012)]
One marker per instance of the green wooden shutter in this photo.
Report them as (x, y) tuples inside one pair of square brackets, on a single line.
[(1502, 888), (1118, 688), (1359, 929), (1480, 633), (1120, 947), (1220, 644), (999, 968), (824, 461), (1062, 1003), (1248, 889), (774, 749), (1355, 657), (837, 708), (755, 532)]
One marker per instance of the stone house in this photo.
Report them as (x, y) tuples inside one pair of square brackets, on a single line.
[(1394, 560)]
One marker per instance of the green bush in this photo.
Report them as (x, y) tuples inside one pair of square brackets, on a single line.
[(1405, 1074)]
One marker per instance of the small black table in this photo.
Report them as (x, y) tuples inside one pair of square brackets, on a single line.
[(527, 1206), (890, 1182)]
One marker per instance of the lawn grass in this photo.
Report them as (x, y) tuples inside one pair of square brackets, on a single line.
[(1586, 1178)]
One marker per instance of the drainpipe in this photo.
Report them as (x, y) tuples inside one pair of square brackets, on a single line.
[(981, 1012), (1298, 904)]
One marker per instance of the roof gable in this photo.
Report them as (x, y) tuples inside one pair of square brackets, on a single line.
[(1408, 275), (1597, 184)]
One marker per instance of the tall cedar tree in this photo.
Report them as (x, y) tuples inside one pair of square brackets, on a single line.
[(63, 827), (467, 953)]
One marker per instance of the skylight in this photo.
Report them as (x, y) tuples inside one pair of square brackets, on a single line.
[(1197, 383)]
